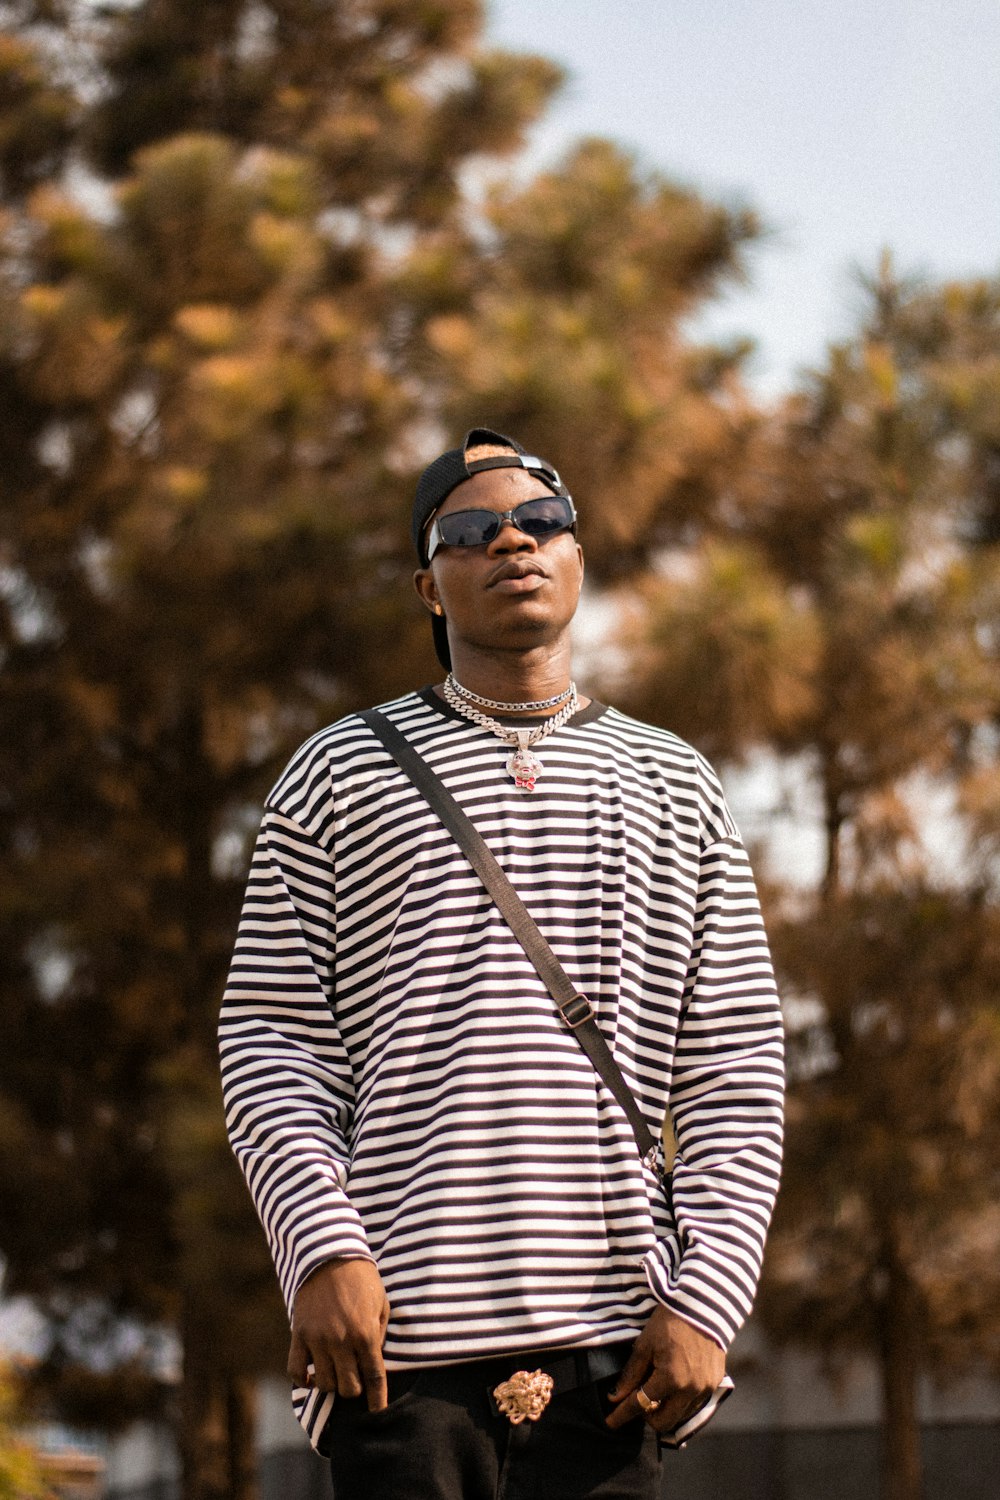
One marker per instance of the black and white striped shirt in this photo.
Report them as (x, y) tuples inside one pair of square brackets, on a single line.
[(398, 1083)]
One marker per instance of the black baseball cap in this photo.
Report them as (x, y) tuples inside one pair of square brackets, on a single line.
[(450, 470)]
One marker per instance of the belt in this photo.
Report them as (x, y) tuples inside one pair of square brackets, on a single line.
[(567, 1369)]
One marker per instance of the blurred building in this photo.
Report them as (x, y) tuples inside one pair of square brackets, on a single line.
[(72, 1466), (74, 1475), (790, 1432)]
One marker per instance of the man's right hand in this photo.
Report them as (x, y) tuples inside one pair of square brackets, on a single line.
[(338, 1326)]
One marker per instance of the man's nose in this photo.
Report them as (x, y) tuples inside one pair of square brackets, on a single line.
[(511, 539)]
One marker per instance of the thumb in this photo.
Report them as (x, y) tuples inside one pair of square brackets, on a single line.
[(632, 1376)]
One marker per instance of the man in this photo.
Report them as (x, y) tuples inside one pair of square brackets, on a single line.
[(451, 1194)]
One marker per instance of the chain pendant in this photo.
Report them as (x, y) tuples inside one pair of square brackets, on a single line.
[(524, 766)]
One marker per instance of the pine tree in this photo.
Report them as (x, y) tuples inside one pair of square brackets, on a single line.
[(571, 336), (204, 538), (243, 279), (843, 618)]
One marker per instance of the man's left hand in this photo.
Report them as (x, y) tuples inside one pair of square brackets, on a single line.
[(675, 1365)]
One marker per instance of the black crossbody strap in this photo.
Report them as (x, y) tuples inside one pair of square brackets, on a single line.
[(575, 1009)]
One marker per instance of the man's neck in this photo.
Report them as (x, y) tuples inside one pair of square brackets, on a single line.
[(514, 676)]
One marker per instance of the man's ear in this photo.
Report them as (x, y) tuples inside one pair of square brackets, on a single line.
[(423, 582)]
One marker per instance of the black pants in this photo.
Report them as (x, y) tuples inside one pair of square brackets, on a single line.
[(442, 1438)]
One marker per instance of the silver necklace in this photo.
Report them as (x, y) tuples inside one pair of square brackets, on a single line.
[(523, 766), (510, 708)]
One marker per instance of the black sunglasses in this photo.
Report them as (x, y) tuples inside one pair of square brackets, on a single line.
[(542, 517)]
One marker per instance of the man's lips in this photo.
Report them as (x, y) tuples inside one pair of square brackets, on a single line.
[(516, 577)]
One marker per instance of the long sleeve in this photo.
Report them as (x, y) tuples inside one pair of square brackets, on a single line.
[(726, 1106), (287, 1082), (396, 1083)]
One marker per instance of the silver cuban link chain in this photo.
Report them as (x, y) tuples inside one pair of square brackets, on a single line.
[(510, 708), (523, 766)]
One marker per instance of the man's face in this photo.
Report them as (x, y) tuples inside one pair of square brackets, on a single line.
[(515, 592)]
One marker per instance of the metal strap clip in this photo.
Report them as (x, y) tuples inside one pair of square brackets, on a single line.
[(576, 1011)]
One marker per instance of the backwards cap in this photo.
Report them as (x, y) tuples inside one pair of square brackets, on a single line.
[(450, 470)]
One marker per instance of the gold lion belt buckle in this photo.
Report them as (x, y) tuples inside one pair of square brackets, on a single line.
[(524, 1396)]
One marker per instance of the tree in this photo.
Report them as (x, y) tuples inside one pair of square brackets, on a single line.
[(21, 1475), (240, 273), (202, 534), (844, 618), (571, 336)]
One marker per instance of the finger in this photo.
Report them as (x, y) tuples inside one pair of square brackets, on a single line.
[(376, 1388), (636, 1368), (298, 1361), (625, 1412), (675, 1408), (324, 1374), (347, 1374), (631, 1406)]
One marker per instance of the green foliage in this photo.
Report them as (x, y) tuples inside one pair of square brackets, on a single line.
[(731, 654), (839, 609), (20, 1472), (569, 335), (895, 1122), (221, 364), (37, 117)]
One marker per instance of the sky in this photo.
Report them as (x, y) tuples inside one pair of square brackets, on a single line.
[(849, 126)]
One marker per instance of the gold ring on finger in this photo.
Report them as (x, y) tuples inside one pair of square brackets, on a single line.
[(646, 1402)]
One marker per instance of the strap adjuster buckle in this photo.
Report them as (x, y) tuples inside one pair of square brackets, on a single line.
[(577, 1011)]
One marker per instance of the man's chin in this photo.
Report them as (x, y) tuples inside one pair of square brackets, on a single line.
[(522, 635)]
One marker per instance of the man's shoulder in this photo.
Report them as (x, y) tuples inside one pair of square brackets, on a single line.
[(343, 736), (655, 742), (678, 766), (335, 756)]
